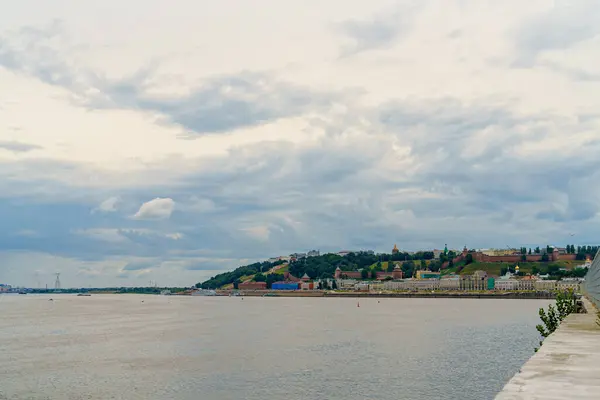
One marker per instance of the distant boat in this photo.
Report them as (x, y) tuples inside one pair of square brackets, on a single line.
[(165, 292), (204, 292), (22, 292), (83, 294)]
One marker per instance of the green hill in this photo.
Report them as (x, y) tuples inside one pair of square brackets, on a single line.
[(525, 267)]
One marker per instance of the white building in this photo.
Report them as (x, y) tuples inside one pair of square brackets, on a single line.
[(506, 284), (545, 285), (450, 283), (346, 283), (395, 285), (569, 283), (526, 284)]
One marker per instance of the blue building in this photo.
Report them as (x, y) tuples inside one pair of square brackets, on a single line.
[(284, 286)]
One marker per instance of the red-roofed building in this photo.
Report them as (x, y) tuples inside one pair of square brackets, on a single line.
[(252, 286)]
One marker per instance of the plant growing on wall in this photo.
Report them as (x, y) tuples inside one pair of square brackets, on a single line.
[(566, 303)]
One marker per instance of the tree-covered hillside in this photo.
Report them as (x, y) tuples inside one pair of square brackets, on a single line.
[(319, 267)]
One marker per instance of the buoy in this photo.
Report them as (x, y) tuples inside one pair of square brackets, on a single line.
[(358, 304)]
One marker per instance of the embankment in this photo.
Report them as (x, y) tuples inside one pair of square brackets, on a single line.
[(567, 366), (447, 295)]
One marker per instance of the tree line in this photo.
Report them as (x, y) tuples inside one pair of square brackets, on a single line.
[(323, 267)]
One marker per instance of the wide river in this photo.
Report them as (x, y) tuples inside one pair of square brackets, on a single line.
[(170, 347)]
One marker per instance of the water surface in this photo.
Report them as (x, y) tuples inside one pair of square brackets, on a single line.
[(170, 347)]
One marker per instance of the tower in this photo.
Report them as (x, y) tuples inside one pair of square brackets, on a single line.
[(338, 273), (57, 283), (395, 250)]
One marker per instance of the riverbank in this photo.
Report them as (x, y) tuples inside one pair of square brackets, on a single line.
[(423, 294), (567, 366)]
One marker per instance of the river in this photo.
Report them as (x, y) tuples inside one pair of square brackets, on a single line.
[(172, 347)]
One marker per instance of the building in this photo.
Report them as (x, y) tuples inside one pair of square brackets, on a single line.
[(506, 284), (569, 284), (343, 253), (345, 283), (437, 253), (450, 282), (285, 286), (527, 283), (339, 274), (412, 284), (5, 288), (424, 274), (477, 281), (313, 253), (297, 256), (395, 249), (307, 286), (252, 286), (544, 284)]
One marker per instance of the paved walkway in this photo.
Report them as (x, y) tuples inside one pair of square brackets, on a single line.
[(566, 367)]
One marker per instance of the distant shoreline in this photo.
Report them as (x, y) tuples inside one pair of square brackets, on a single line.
[(445, 295)]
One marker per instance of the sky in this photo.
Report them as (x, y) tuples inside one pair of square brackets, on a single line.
[(170, 141)]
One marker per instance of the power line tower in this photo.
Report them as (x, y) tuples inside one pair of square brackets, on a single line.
[(57, 283)]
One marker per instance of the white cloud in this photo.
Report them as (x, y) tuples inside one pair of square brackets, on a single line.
[(260, 232), (103, 234), (108, 205), (158, 208)]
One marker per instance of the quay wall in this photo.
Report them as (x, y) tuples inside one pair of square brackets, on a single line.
[(447, 295), (591, 285)]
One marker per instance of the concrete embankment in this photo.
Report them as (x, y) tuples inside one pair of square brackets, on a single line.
[(445, 295), (567, 366)]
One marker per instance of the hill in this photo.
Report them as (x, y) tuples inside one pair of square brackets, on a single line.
[(497, 269), (322, 266)]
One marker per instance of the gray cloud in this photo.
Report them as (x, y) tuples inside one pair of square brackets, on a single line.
[(140, 265), (380, 31), (18, 147), (564, 25), (219, 104)]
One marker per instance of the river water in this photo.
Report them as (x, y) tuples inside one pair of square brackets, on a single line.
[(171, 347)]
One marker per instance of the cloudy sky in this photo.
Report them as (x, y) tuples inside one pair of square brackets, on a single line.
[(169, 141)]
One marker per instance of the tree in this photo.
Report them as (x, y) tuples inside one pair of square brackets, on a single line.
[(390, 266), (545, 257), (435, 266), (236, 283), (334, 285), (537, 250), (535, 270), (523, 250), (530, 251), (423, 265), (373, 274), (566, 303), (468, 259), (259, 278), (523, 257), (364, 273)]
